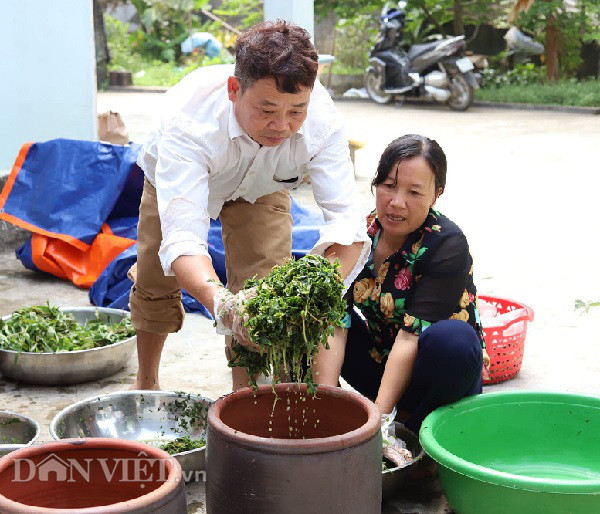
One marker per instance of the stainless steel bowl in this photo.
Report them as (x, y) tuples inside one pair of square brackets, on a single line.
[(67, 368), (153, 417), (16, 431), (394, 480)]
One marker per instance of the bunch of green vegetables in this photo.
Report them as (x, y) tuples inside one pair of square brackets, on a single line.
[(295, 309), (44, 328)]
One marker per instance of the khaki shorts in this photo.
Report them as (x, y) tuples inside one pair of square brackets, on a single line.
[(256, 237)]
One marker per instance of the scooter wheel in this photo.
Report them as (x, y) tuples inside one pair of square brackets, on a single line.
[(461, 93), (372, 87)]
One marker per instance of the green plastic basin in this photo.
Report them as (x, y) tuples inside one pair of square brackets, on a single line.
[(518, 452)]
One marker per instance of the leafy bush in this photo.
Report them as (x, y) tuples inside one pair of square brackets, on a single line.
[(167, 74), (565, 92), (353, 39), (163, 74), (522, 74), (120, 46), (245, 12), (574, 25), (164, 48), (337, 68), (148, 71), (166, 24)]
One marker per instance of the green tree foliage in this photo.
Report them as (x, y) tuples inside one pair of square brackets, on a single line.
[(355, 31), (165, 25), (575, 26), (574, 23), (423, 13), (353, 38), (241, 13), (119, 44), (346, 8), (428, 17), (358, 23)]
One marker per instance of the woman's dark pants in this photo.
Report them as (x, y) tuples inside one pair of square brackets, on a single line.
[(447, 367)]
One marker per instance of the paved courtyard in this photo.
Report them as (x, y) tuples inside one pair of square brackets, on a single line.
[(521, 184)]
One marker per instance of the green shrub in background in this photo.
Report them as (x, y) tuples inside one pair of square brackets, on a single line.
[(521, 74), (166, 24), (122, 57), (163, 74), (147, 71), (527, 83), (584, 93), (241, 13), (167, 74), (576, 24), (353, 39)]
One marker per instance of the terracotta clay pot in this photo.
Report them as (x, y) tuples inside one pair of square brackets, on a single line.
[(93, 476), (305, 454)]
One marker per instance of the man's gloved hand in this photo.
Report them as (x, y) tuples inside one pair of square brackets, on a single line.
[(230, 315)]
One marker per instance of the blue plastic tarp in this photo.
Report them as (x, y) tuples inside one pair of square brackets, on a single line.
[(71, 187), (81, 196)]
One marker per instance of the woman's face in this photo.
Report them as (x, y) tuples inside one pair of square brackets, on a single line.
[(403, 199)]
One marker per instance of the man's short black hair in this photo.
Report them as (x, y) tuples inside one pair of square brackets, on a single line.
[(276, 49)]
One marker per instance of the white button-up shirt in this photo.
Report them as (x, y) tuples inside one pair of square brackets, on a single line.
[(198, 157)]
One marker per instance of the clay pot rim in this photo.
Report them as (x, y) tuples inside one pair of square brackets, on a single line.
[(355, 437), (166, 489)]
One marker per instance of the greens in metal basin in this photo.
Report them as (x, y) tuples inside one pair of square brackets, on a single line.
[(295, 309), (182, 444), (44, 328)]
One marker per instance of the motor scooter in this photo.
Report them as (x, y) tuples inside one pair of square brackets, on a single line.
[(439, 70)]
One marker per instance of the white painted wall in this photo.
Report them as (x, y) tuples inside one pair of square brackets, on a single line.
[(47, 73), (300, 12)]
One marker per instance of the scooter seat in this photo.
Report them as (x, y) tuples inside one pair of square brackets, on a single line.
[(416, 50)]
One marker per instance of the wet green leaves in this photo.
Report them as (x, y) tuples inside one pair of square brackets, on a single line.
[(295, 309)]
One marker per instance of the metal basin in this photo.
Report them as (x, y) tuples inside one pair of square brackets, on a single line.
[(67, 368), (395, 479), (16, 431), (152, 417)]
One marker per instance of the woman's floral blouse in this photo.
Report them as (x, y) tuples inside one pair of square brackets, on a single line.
[(430, 278)]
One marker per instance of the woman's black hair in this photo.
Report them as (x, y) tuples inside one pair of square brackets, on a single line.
[(408, 147)]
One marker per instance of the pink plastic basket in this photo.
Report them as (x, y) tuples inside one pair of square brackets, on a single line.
[(504, 328)]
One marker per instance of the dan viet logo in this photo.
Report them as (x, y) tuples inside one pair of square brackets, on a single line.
[(140, 469)]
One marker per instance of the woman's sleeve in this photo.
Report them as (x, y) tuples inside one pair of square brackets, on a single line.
[(439, 284)]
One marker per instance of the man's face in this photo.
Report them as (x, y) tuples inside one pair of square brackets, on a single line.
[(267, 115)]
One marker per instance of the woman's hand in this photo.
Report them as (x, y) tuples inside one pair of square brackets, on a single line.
[(486, 359), (328, 363), (398, 371)]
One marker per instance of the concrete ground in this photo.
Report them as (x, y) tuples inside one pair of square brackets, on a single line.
[(522, 185)]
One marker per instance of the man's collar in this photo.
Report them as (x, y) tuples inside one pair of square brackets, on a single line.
[(234, 128)]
